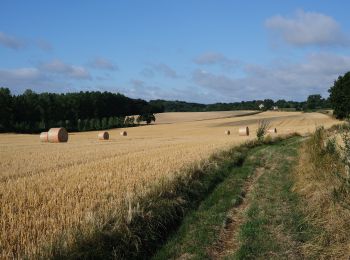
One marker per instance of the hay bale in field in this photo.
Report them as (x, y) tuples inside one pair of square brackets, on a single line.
[(243, 131), (227, 132), (44, 137), (272, 131), (57, 135), (103, 135), (123, 133)]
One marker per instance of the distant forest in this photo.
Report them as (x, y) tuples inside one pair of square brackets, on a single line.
[(31, 112), (313, 102)]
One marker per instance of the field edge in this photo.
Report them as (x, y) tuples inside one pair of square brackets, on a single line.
[(154, 217)]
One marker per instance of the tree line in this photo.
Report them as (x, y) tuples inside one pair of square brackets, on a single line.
[(313, 102), (31, 112), (339, 96)]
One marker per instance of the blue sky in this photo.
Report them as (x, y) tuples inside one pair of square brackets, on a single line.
[(199, 51)]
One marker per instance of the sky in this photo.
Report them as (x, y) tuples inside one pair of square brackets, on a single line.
[(190, 50)]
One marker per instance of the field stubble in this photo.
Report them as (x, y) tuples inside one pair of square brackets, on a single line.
[(50, 191)]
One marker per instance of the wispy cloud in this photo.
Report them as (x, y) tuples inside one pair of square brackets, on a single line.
[(103, 64), (147, 72), (16, 43), (307, 28), (44, 45), (136, 83), (21, 74), (21, 79), (166, 70), (210, 80), (315, 74), (215, 58), (67, 70), (11, 42), (139, 88), (52, 76)]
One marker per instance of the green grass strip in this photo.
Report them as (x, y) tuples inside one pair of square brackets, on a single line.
[(201, 227), (275, 227)]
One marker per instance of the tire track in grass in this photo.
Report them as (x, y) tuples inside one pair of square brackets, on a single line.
[(274, 226), (228, 239)]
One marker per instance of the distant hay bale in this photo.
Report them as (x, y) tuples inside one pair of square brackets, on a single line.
[(227, 132), (272, 131), (57, 135), (44, 137), (243, 131), (123, 133), (103, 135)]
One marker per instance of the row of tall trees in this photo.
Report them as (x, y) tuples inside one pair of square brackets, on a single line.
[(32, 112), (82, 111)]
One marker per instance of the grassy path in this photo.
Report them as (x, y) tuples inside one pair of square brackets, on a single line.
[(274, 227), (252, 214)]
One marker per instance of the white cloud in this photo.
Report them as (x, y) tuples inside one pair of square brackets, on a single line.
[(102, 63), (279, 80), (67, 70), (54, 76), (21, 74), (307, 28), (21, 79), (11, 42)]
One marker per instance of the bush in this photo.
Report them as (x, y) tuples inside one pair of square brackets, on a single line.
[(262, 129)]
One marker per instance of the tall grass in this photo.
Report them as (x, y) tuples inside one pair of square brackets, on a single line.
[(263, 126), (322, 178)]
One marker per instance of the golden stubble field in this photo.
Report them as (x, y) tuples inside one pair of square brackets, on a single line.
[(48, 191)]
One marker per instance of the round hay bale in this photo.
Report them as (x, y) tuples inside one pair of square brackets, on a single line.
[(227, 132), (243, 131), (272, 131), (123, 133), (44, 137), (103, 135), (57, 135)]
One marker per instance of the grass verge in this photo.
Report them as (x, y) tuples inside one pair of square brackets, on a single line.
[(200, 229), (323, 181)]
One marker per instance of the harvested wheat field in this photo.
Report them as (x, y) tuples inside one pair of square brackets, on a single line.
[(48, 191), (178, 117)]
